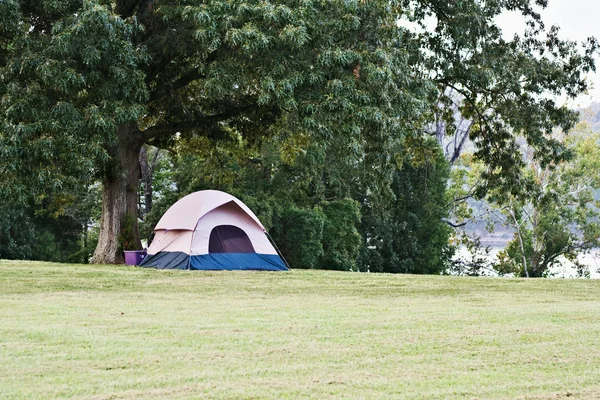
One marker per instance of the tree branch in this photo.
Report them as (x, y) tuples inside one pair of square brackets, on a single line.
[(183, 81), (472, 101), (455, 225), (144, 9), (162, 90), (125, 8), (467, 196), (172, 128), (154, 161), (202, 122), (458, 149)]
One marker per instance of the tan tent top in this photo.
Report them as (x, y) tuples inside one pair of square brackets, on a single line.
[(185, 213)]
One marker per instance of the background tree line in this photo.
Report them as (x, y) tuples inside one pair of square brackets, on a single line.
[(327, 118)]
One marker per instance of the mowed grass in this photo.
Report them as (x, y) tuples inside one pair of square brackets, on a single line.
[(115, 332)]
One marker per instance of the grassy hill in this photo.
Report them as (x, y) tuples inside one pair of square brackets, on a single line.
[(73, 331)]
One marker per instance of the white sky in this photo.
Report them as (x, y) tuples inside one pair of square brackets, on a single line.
[(577, 19)]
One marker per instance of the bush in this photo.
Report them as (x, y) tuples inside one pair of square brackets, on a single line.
[(301, 236), (341, 240)]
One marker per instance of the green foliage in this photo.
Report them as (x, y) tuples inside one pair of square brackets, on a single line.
[(17, 233), (408, 234), (508, 87), (341, 239), (289, 198), (557, 219), (301, 237), (74, 73), (53, 228), (70, 76), (31, 232)]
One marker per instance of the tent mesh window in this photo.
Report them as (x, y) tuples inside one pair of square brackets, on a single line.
[(229, 239)]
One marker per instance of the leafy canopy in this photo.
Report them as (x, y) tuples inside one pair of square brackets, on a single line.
[(78, 78)]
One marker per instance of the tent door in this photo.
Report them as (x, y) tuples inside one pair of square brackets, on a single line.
[(229, 239)]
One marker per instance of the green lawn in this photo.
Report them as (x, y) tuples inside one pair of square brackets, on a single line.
[(111, 332)]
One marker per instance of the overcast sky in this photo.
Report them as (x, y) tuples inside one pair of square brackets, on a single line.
[(577, 19)]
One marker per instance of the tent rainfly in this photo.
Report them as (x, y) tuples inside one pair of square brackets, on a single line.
[(211, 230)]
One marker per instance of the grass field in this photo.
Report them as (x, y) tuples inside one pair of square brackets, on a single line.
[(111, 332)]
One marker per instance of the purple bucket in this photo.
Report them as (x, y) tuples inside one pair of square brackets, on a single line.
[(134, 257)]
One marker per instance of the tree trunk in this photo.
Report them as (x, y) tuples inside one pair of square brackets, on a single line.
[(85, 241), (119, 222), (146, 179), (147, 167)]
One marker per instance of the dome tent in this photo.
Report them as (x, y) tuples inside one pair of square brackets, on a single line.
[(211, 230)]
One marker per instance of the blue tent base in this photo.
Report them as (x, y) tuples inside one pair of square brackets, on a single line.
[(238, 261), (215, 261), (167, 260)]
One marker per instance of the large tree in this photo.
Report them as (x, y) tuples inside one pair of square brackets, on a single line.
[(560, 220), (492, 89), (86, 84)]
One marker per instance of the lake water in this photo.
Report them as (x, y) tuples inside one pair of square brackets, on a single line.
[(566, 270)]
